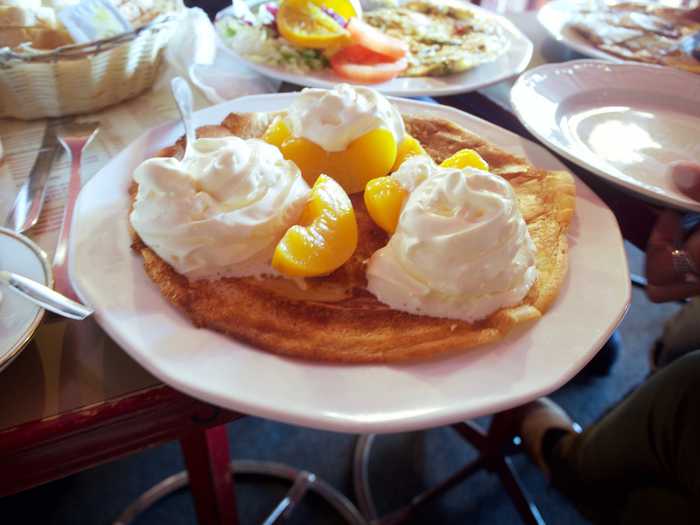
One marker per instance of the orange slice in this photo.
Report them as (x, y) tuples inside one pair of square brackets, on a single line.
[(345, 8), (324, 239), (370, 156), (305, 24), (465, 158), (384, 198), (409, 147)]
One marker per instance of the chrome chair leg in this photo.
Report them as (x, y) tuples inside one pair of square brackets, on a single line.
[(302, 482)]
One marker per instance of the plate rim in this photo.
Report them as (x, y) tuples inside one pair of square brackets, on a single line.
[(344, 422), (27, 335), (639, 190), (515, 35)]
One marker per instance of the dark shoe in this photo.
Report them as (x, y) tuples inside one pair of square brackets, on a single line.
[(603, 361), (534, 421)]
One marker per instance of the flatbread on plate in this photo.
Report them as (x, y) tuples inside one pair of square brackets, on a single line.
[(335, 318)]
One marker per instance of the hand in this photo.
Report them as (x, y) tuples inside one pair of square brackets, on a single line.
[(664, 282), (694, 14), (686, 176)]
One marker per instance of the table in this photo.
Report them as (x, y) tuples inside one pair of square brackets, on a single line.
[(90, 403)]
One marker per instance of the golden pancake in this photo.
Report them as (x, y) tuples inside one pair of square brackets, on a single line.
[(334, 318), (640, 32)]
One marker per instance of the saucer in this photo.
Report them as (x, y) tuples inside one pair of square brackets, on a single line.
[(19, 318)]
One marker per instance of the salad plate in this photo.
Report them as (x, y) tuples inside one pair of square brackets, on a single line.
[(530, 362), (509, 64)]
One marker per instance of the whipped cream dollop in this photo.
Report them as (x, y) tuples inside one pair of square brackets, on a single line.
[(461, 249), (333, 118), (221, 210)]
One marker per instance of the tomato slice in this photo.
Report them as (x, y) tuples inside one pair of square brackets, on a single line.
[(359, 64), (372, 38)]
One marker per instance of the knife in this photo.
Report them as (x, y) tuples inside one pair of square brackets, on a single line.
[(30, 198)]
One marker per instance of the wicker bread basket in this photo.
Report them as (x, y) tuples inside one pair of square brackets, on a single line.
[(82, 78)]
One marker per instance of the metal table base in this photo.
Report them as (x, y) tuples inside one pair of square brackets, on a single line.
[(494, 446), (302, 482)]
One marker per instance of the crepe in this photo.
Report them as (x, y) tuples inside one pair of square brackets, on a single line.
[(334, 318), (444, 37), (640, 32)]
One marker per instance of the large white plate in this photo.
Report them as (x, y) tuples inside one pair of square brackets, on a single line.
[(626, 122), (511, 63), (556, 15), (19, 317), (370, 398)]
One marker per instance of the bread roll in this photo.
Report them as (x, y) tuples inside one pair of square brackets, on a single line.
[(51, 39), (39, 38), (27, 4), (30, 22), (14, 16)]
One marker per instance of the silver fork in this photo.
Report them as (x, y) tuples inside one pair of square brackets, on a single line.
[(74, 138)]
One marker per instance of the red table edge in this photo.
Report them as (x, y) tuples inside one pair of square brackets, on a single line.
[(39, 451)]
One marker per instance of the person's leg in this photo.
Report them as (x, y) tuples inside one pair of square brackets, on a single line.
[(655, 505), (653, 435), (681, 335), (651, 439)]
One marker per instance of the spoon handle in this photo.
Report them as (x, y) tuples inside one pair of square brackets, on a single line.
[(183, 98), (45, 296), (60, 259)]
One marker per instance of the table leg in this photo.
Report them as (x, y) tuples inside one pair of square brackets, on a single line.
[(207, 459), (525, 506)]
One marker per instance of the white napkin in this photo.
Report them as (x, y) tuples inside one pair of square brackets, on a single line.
[(196, 53)]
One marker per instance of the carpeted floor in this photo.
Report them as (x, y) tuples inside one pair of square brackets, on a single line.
[(402, 464)]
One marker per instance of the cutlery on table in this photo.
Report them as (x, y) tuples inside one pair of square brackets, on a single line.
[(30, 198), (44, 296), (74, 138), (182, 94)]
